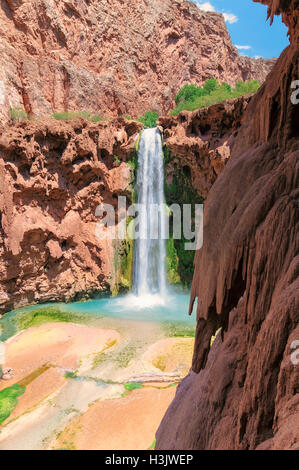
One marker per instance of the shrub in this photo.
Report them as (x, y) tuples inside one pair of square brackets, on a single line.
[(244, 88), (191, 97), (69, 115), (130, 386), (149, 119), (210, 85), (226, 87), (189, 93), (18, 114)]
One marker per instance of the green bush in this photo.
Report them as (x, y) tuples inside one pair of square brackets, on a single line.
[(189, 93), (191, 97), (149, 119), (243, 88), (69, 115), (130, 386), (18, 114), (9, 400), (210, 85)]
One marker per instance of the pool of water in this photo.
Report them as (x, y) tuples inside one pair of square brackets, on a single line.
[(172, 308), (153, 331)]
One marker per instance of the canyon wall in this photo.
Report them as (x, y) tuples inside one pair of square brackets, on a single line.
[(197, 146), (112, 57), (200, 143), (242, 393), (53, 175)]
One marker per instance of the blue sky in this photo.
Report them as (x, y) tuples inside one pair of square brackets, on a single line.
[(246, 22)]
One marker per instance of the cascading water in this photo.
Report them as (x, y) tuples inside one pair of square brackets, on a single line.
[(149, 275)]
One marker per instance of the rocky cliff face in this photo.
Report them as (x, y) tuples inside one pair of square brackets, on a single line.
[(53, 175), (113, 56), (200, 143), (243, 392)]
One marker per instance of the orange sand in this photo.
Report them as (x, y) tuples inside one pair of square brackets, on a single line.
[(124, 423)]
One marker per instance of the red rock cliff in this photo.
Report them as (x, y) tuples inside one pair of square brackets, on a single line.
[(53, 175), (111, 56), (202, 141), (243, 392)]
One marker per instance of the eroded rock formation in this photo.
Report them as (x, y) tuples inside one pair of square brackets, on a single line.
[(200, 142), (243, 392), (53, 175), (111, 57)]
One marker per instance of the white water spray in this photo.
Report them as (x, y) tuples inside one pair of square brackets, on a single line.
[(149, 275)]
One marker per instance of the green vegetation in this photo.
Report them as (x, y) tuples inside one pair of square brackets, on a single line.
[(97, 360), (39, 316), (160, 363), (122, 358), (179, 191), (25, 318), (18, 114), (178, 330), (192, 97), (70, 375), (123, 264), (152, 447), (149, 119), (172, 263), (124, 250), (69, 115), (137, 143), (126, 264), (133, 162), (9, 400), (130, 386)]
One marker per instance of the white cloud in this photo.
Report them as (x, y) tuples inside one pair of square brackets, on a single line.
[(244, 48), (230, 18), (207, 6)]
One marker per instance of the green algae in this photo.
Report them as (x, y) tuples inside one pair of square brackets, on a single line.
[(130, 386), (9, 400)]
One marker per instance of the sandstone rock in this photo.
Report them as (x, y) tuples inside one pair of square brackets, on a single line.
[(54, 249), (111, 57), (53, 175), (202, 141), (7, 374), (243, 393)]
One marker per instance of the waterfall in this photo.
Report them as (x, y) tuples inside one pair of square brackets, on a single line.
[(149, 275)]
